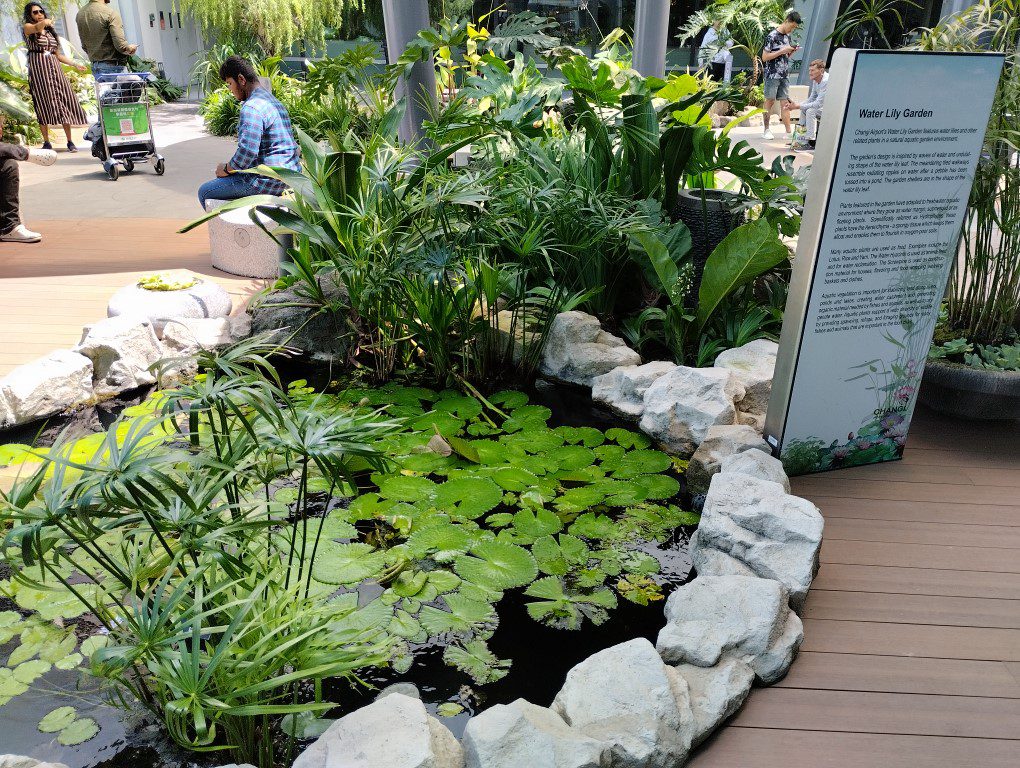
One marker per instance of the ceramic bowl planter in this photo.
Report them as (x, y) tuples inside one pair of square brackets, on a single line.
[(971, 393)]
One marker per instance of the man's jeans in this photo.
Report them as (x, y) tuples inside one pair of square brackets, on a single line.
[(809, 119), (10, 182), (232, 187), (106, 68)]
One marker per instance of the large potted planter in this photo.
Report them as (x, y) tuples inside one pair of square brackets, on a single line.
[(970, 393), (710, 215)]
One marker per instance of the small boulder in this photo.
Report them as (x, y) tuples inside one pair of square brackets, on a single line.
[(577, 350), (622, 390), (756, 463), (204, 299), (188, 336), (405, 689), (523, 734), (52, 384), (755, 420), (753, 365), (323, 332), (121, 350), (19, 761), (393, 732), (721, 441), (716, 693), (775, 535), (683, 404), (745, 618), (626, 697)]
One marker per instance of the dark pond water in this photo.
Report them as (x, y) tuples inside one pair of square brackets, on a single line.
[(541, 655)]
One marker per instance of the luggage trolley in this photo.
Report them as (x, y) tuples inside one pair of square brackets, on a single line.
[(123, 135)]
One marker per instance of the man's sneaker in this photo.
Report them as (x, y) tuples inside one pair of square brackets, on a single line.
[(21, 234), (768, 135), (42, 156)]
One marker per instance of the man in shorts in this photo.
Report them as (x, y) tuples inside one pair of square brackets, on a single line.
[(776, 57)]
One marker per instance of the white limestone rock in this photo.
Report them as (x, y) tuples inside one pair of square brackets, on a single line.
[(683, 404), (626, 697), (721, 441), (716, 693), (753, 365), (204, 299), (523, 734), (405, 689), (774, 534), (755, 420), (723, 618), (756, 463), (19, 761), (189, 335), (393, 732), (52, 384), (121, 350), (623, 389), (577, 350)]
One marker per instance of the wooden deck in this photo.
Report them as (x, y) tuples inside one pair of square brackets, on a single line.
[(49, 290), (911, 657)]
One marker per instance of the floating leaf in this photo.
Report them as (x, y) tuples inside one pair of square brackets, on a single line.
[(580, 499), (658, 487), (304, 725), (639, 563), (441, 543), (530, 525), (415, 490), (409, 584), (643, 462), (464, 407), (28, 671), (592, 525), (572, 457), (628, 439), (348, 563), (527, 417), (405, 625), (445, 423), (57, 720), (449, 709), (91, 644), (514, 479), (639, 589), (468, 497), (587, 436), (475, 659), (369, 506), (464, 616), (78, 732), (499, 520), (9, 684), (509, 400), (497, 566), (444, 581), (69, 662)]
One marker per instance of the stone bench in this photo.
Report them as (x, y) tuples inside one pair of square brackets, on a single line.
[(239, 246)]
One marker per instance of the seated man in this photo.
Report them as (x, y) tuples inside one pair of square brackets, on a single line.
[(811, 108), (264, 137), (11, 228)]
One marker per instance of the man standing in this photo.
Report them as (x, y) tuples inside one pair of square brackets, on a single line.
[(102, 37), (264, 137), (776, 56), (714, 52), (811, 108)]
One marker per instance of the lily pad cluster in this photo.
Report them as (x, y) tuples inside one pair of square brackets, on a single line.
[(483, 498)]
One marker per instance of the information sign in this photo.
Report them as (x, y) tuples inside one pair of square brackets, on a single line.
[(898, 145)]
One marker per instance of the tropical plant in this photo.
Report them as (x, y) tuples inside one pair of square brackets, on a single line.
[(984, 289), (747, 21), (864, 22)]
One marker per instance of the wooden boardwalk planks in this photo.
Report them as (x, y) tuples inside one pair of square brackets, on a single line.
[(911, 656), (49, 290)]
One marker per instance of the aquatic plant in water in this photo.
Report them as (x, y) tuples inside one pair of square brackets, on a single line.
[(220, 534)]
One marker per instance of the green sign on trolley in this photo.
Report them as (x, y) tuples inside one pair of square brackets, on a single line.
[(126, 123)]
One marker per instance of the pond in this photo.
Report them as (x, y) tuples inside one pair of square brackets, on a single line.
[(535, 642)]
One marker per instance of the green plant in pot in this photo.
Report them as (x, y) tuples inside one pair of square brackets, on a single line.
[(971, 370)]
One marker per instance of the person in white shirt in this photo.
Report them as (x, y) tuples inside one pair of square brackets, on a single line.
[(811, 108), (715, 51)]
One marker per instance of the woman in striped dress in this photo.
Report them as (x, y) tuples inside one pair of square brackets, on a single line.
[(55, 102)]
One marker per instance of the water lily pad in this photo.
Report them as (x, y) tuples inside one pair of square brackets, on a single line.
[(465, 616), (642, 462), (28, 671), (9, 684), (658, 487), (463, 407), (348, 564), (445, 423), (572, 457), (628, 439), (449, 709), (478, 661), (415, 490), (514, 479), (527, 417), (369, 506), (78, 732), (468, 497), (443, 581), (497, 566), (594, 526), (587, 436), (533, 440), (441, 543), (91, 644), (531, 525), (580, 499), (509, 400), (404, 624), (57, 720)]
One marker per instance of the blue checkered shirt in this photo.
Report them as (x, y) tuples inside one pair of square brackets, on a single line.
[(265, 137)]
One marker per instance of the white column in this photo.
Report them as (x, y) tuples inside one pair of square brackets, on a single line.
[(403, 20), (651, 30), (819, 27)]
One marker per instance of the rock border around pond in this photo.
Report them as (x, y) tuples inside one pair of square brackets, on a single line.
[(635, 705)]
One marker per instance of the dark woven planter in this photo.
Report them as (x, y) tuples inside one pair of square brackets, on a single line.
[(970, 393), (709, 223)]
